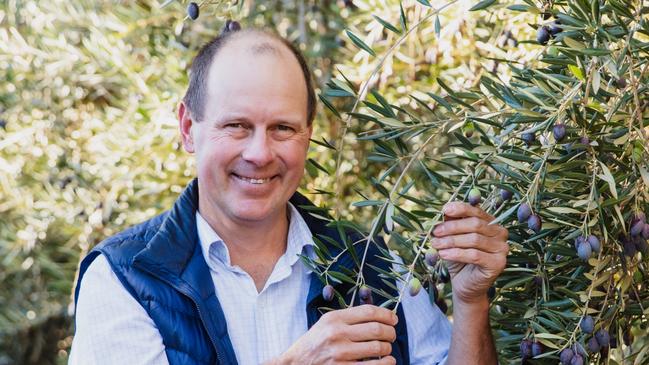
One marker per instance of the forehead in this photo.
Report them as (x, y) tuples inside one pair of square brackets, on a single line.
[(252, 69)]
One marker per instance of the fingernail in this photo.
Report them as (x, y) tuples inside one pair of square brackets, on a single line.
[(439, 229)]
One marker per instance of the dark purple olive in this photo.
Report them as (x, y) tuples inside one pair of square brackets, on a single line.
[(526, 349), (584, 142), (234, 26), (543, 35), (365, 295), (593, 345), (587, 324), (505, 195), (554, 29), (474, 196), (577, 360), (566, 356), (534, 223), (524, 212), (192, 10), (594, 243), (579, 240), (621, 83), (328, 292), (603, 338), (584, 251), (528, 138), (559, 131), (637, 227), (537, 348), (645, 231)]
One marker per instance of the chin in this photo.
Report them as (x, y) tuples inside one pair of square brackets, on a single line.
[(253, 210)]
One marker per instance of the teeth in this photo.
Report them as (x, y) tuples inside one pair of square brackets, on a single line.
[(254, 181)]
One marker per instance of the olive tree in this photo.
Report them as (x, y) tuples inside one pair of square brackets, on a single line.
[(555, 147)]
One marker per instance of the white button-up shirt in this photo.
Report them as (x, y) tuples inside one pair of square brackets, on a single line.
[(113, 328)]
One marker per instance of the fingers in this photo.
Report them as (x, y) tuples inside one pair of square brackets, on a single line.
[(387, 360), (460, 209), (364, 350), (364, 313), (490, 261), (371, 331), (470, 225), (470, 240)]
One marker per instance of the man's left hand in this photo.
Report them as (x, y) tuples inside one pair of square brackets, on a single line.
[(475, 251)]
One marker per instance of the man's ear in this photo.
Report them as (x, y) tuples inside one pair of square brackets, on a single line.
[(186, 124)]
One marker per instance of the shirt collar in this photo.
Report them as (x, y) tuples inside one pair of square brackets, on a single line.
[(299, 240)]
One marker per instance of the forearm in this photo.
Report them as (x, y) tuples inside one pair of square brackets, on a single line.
[(471, 342)]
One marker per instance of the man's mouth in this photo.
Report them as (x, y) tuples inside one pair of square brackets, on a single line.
[(252, 180)]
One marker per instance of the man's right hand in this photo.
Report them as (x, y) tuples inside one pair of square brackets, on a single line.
[(346, 336)]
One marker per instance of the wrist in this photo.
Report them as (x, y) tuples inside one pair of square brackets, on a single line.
[(475, 305)]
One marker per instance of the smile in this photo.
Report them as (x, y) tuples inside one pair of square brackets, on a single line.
[(253, 180)]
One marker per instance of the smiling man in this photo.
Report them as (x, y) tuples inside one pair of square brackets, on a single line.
[(217, 279)]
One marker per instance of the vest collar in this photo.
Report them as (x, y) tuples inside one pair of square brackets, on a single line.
[(170, 250), (172, 247)]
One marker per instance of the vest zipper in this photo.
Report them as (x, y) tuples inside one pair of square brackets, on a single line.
[(198, 308)]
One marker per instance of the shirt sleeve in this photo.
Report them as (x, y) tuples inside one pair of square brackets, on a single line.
[(429, 330), (111, 326)]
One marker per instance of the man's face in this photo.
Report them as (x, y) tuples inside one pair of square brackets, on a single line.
[(251, 146)]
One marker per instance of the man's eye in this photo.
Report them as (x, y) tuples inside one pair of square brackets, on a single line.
[(234, 125), (285, 128)]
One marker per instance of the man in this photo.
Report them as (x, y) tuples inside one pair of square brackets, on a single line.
[(217, 278)]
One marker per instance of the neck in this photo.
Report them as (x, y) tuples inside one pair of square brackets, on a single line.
[(249, 240)]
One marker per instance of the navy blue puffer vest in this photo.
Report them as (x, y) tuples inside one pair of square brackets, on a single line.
[(161, 264)]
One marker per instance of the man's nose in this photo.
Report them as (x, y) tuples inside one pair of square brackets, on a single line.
[(258, 150)]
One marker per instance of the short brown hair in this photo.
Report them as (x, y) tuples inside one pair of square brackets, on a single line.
[(194, 98)]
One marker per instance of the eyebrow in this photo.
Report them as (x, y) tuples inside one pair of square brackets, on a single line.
[(243, 118)]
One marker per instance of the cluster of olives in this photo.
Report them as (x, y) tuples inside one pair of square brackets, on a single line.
[(585, 246), (544, 33), (524, 214), (193, 11), (636, 240), (530, 349), (599, 341), (364, 294)]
